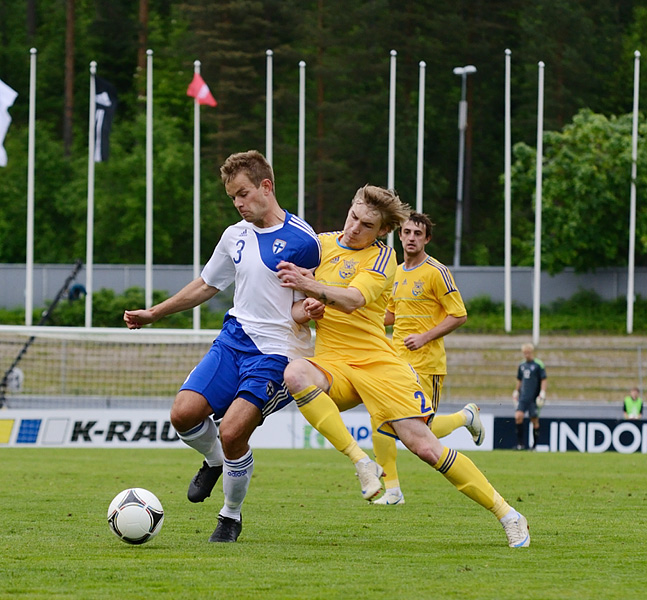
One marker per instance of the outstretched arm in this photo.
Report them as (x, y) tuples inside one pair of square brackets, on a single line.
[(191, 295)]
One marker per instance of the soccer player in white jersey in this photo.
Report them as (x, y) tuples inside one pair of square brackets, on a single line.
[(240, 380)]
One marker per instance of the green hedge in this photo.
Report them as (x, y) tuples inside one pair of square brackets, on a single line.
[(584, 312)]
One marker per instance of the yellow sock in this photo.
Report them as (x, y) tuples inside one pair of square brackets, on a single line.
[(354, 452), (461, 472), (385, 455), (443, 425), (322, 413)]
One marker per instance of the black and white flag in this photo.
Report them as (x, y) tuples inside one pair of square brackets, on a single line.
[(106, 103)]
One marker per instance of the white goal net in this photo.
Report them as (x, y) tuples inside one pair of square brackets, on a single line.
[(96, 367)]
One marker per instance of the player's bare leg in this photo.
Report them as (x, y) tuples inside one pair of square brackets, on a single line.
[(309, 386), (191, 418)]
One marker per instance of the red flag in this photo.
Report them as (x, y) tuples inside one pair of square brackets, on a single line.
[(200, 91)]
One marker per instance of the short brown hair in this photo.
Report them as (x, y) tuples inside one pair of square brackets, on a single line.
[(393, 211), (422, 220), (252, 163)]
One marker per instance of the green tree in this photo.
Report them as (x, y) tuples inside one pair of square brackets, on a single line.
[(585, 195)]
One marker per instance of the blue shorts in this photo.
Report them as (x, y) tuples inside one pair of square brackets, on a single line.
[(225, 374)]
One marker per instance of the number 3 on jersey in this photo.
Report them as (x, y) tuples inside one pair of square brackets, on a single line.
[(241, 245)]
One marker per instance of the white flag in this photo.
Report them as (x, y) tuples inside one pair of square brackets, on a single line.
[(106, 104), (7, 97)]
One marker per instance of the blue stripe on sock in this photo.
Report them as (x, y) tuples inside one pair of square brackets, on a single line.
[(193, 431), (240, 464), (449, 461)]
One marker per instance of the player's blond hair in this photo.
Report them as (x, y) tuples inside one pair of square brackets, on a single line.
[(529, 347), (252, 163), (393, 212)]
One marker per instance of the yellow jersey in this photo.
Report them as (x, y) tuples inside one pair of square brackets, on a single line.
[(422, 297), (371, 270)]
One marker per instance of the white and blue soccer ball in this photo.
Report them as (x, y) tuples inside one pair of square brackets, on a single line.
[(135, 516)]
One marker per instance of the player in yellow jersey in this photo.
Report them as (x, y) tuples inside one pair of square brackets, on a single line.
[(354, 361), (425, 306)]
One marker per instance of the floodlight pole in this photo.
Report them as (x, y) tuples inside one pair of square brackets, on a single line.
[(462, 126)]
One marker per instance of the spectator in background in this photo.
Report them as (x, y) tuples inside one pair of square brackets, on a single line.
[(530, 394), (632, 407)]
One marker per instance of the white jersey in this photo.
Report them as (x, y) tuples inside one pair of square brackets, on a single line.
[(247, 256)]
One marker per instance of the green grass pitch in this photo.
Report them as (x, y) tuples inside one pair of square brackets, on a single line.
[(307, 533)]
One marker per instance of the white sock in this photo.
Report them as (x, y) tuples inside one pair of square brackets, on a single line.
[(236, 476), (204, 438), (396, 491), (511, 514)]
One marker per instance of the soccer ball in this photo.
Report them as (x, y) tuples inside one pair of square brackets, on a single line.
[(135, 516)]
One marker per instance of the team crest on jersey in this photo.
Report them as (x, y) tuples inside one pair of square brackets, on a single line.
[(278, 246), (269, 389), (418, 288), (348, 269)]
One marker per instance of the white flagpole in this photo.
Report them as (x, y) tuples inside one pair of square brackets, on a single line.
[(268, 108), (536, 303), (632, 207), (29, 262), (302, 140), (196, 195), (89, 229), (149, 180), (507, 195), (421, 134), (391, 156)]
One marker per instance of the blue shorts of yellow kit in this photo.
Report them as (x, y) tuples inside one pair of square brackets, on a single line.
[(225, 373), (387, 386)]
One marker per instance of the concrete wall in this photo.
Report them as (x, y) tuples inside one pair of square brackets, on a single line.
[(472, 281)]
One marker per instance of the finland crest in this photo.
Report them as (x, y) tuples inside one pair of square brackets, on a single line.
[(278, 246)]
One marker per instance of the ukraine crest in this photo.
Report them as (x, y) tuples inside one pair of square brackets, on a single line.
[(418, 288), (348, 269)]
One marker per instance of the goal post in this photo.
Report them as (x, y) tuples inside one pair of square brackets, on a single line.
[(97, 366)]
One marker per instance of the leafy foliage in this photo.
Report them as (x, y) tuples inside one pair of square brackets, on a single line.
[(585, 194), (108, 309), (584, 312), (587, 47)]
